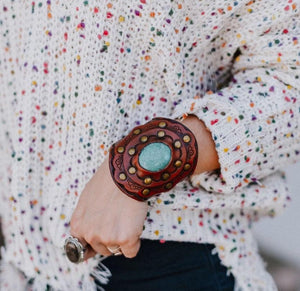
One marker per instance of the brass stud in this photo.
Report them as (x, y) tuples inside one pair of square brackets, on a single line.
[(145, 191), (147, 180), (165, 176), (177, 144), (131, 151), (132, 170), (162, 124), (186, 139), (121, 150), (169, 186), (122, 176), (161, 133), (178, 163), (144, 138), (137, 131), (187, 167)]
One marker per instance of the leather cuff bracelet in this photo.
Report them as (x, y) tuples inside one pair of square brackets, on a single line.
[(153, 158)]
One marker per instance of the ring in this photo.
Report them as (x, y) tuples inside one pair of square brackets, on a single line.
[(115, 251), (74, 250)]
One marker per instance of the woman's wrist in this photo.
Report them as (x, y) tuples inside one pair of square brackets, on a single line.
[(208, 159), (153, 158)]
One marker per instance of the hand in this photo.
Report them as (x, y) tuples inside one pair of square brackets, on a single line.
[(106, 217)]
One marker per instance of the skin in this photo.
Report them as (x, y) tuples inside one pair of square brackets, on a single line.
[(106, 217)]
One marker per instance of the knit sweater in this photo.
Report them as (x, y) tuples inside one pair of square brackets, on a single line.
[(76, 76)]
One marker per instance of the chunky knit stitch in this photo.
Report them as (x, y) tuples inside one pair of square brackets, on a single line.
[(76, 76)]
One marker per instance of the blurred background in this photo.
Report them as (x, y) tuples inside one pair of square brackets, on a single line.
[(279, 238)]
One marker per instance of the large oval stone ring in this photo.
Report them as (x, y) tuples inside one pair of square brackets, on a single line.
[(116, 251), (74, 250)]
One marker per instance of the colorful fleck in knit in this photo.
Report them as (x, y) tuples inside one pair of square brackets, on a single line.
[(76, 76)]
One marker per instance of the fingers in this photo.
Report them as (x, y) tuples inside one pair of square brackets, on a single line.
[(94, 242), (128, 248), (131, 250), (92, 246), (101, 249)]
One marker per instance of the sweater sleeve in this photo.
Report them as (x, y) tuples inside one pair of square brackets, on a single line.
[(255, 120)]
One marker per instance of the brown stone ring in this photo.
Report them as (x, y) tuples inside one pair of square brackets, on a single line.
[(74, 250), (153, 158)]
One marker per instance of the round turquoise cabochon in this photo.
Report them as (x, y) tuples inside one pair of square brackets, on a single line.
[(155, 157)]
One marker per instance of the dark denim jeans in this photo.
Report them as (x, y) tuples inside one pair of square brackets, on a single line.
[(169, 266)]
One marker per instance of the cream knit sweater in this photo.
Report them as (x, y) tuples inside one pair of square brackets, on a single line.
[(76, 76)]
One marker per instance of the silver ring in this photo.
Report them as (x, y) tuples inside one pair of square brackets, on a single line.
[(74, 250), (116, 252)]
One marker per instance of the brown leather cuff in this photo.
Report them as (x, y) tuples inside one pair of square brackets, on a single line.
[(153, 158)]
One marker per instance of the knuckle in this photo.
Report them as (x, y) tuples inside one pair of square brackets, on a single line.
[(130, 254), (124, 241), (91, 238), (133, 243), (128, 240), (75, 225), (107, 241)]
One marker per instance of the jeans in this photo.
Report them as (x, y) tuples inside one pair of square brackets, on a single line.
[(169, 266)]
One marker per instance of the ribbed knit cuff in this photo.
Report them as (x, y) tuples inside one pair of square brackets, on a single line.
[(236, 150)]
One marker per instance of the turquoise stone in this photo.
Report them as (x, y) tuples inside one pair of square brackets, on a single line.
[(155, 157)]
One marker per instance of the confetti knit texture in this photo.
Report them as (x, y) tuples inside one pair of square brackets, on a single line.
[(76, 76)]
